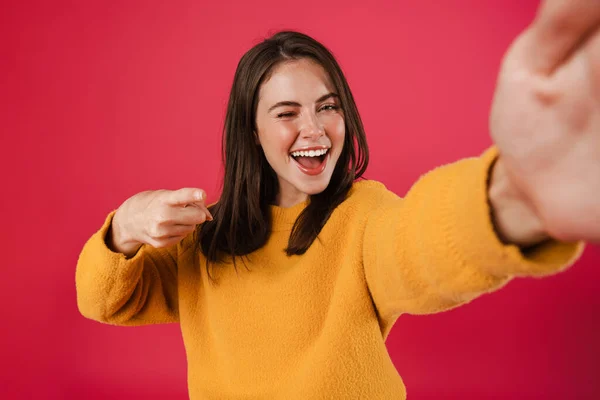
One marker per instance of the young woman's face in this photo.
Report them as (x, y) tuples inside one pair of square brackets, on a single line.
[(300, 128)]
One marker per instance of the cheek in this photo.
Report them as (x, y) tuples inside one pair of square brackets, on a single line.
[(336, 129), (287, 134), (277, 139)]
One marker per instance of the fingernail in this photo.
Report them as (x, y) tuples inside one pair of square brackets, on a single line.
[(198, 195)]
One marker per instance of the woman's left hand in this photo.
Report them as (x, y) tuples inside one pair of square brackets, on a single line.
[(545, 119)]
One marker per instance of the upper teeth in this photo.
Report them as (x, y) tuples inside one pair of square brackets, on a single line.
[(309, 153)]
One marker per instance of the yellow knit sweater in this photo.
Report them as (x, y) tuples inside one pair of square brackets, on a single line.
[(314, 326)]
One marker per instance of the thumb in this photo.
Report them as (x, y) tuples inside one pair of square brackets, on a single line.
[(186, 195), (559, 29)]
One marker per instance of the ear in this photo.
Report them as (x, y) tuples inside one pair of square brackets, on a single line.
[(256, 139)]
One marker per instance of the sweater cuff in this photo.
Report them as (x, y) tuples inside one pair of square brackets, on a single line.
[(99, 270), (103, 232), (115, 261), (468, 221)]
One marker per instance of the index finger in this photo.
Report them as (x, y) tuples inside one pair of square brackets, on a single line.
[(202, 207)]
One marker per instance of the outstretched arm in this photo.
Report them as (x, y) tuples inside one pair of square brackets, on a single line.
[(120, 290), (436, 248)]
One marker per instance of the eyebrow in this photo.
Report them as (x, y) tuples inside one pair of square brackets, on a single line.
[(295, 104)]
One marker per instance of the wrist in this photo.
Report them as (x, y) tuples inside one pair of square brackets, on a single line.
[(119, 240), (513, 216)]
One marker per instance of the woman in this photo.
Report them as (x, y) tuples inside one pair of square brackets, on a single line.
[(287, 287)]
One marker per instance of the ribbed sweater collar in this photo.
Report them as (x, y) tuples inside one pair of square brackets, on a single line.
[(284, 218)]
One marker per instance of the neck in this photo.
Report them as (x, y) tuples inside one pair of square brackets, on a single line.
[(290, 202), (289, 196)]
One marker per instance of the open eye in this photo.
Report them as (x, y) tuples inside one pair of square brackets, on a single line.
[(329, 107)]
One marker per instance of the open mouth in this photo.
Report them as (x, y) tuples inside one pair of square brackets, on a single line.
[(311, 162)]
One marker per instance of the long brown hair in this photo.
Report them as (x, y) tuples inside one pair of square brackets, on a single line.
[(242, 219)]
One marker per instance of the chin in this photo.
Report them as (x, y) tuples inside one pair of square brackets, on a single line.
[(313, 187)]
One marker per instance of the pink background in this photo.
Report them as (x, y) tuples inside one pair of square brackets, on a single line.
[(104, 99)]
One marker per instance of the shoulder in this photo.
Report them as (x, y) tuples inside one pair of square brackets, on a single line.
[(369, 190), (368, 195)]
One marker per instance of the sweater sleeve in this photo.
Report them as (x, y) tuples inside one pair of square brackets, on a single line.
[(114, 289), (436, 248)]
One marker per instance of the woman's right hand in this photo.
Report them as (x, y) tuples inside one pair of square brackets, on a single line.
[(159, 218)]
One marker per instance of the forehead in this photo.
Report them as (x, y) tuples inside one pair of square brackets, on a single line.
[(302, 79)]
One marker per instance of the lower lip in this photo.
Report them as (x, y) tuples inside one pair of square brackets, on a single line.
[(313, 171)]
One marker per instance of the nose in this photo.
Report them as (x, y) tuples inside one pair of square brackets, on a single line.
[(311, 127)]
